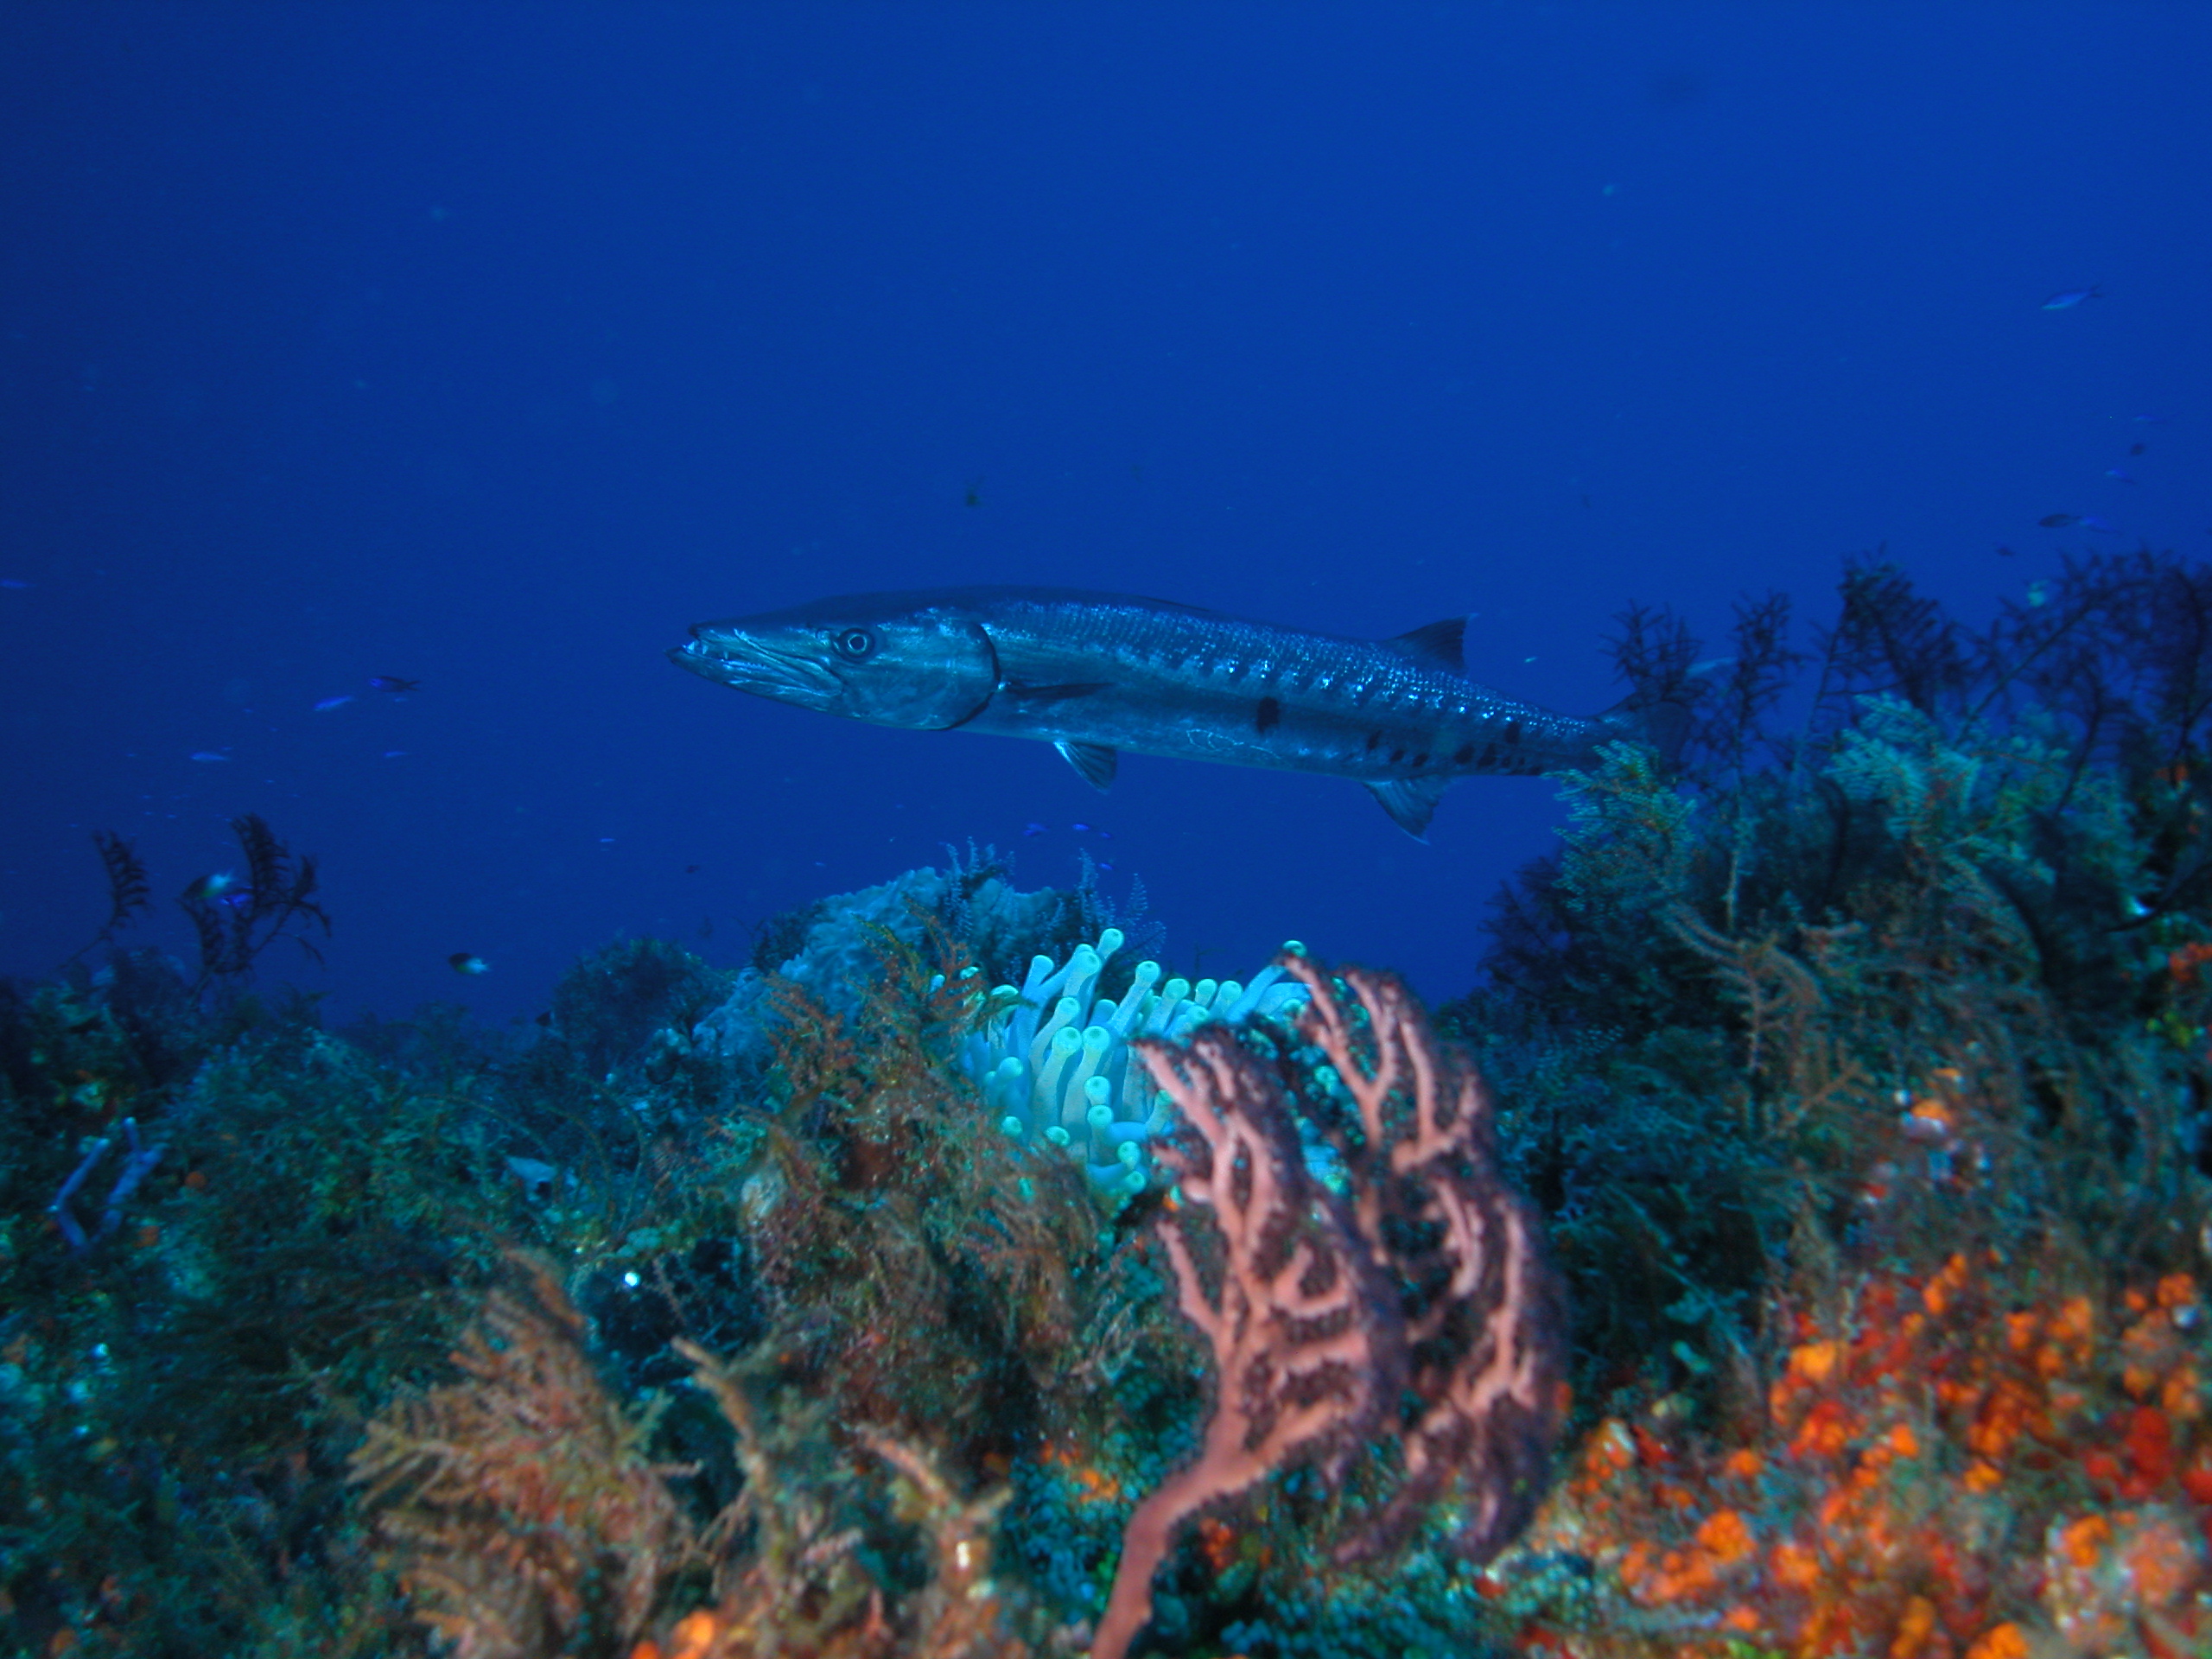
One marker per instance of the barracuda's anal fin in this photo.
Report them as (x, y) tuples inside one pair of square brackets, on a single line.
[(1411, 802), (1094, 762), (1440, 645)]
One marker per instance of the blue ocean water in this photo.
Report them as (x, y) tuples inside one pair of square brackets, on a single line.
[(489, 348)]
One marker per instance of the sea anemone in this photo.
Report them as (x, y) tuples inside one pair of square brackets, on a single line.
[(1052, 1057)]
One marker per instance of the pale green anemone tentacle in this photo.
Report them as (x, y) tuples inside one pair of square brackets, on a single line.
[(1053, 1059), (1066, 1012), (1053, 1076)]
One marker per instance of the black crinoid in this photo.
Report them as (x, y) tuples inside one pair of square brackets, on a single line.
[(237, 925), (129, 889)]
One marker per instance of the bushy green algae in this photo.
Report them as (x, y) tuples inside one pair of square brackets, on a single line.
[(1923, 849)]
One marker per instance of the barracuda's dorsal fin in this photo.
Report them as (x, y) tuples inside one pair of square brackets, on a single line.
[(1411, 802), (1440, 645), (1094, 762)]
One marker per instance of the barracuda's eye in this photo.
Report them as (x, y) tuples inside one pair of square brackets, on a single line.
[(855, 644)]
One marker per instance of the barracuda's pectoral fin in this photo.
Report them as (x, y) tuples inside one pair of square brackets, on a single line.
[(1094, 762), (1028, 695), (1411, 802), (1440, 645)]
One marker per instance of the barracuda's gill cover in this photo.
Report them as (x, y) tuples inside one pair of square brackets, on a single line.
[(1093, 674)]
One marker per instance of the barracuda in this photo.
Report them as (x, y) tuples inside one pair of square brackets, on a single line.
[(1093, 674)]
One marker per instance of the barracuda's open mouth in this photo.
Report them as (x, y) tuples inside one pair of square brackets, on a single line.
[(746, 665)]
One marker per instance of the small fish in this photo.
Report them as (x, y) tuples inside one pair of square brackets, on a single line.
[(2121, 473), (212, 886), (467, 966), (15, 585), (693, 869), (2038, 594), (209, 755), (2059, 520), (2005, 551), (2072, 297), (395, 754), (1032, 829), (329, 703), (2136, 449), (1080, 828), (2090, 521), (974, 495), (393, 684)]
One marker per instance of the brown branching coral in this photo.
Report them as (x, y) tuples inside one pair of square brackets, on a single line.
[(906, 1257), (529, 1522), (958, 1615), (787, 1574), (527, 1516), (789, 1578), (1794, 1068), (815, 1050), (1415, 1307)]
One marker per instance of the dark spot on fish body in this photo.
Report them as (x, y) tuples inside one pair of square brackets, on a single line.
[(1488, 754), (1421, 760), (1512, 732), (1374, 741), (1396, 756), (1465, 753), (1268, 716)]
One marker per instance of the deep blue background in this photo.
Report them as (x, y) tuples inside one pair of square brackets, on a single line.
[(495, 346)]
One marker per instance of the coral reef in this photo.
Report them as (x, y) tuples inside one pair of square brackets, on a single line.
[(1864, 1080), (1858, 1072), (522, 1500)]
